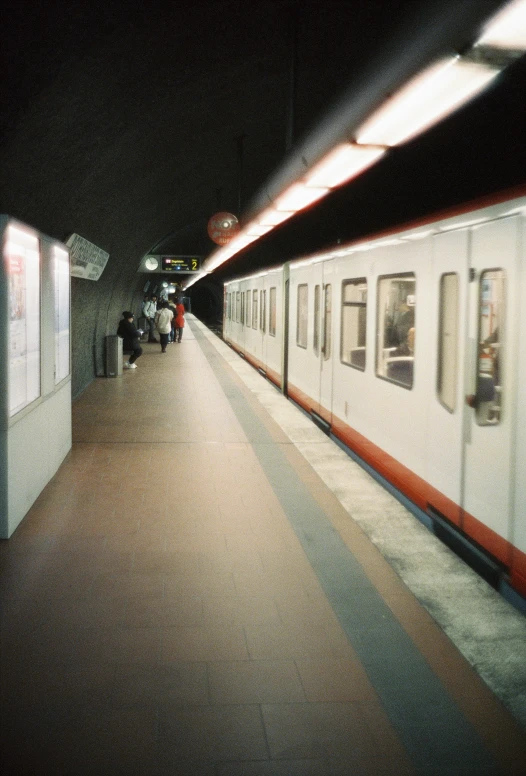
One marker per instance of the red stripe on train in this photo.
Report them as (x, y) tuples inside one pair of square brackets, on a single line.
[(424, 495)]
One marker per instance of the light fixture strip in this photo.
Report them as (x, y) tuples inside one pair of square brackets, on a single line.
[(425, 100), (344, 162), (507, 29), (298, 197)]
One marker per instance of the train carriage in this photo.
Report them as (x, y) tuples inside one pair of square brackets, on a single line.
[(410, 348)]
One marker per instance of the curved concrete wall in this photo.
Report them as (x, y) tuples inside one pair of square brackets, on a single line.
[(132, 133)]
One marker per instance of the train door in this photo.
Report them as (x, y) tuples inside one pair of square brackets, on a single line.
[(447, 328), (325, 280), (263, 320), (491, 383)]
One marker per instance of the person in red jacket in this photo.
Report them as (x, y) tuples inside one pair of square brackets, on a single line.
[(179, 320)]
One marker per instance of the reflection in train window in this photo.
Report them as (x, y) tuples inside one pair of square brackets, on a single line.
[(248, 310), (302, 316), (448, 341), (238, 305), (396, 328), (272, 312), (317, 321), (492, 308), (263, 311), (242, 317), (354, 321), (327, 322), (254, 309)]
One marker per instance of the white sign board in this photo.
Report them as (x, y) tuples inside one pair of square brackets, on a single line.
[(87, 260), (22, 258)]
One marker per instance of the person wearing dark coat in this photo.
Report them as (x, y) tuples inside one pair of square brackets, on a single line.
[(131, 337)]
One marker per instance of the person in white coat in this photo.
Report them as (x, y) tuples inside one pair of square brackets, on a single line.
[(163, 324)]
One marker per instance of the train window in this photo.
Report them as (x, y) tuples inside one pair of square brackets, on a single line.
[(302, 315), (327, 322), (396, 328), (448, 341), (238, 305), (317, 321), (242, 316), (248, 311), (354, 321), (272, 312), (492, 306), (263, 311), (254, 309)]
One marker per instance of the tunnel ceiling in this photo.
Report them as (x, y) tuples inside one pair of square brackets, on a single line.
[(121, 122)]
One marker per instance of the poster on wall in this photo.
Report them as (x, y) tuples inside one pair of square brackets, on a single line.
[(22, 258), (62, 313), (87, 260)]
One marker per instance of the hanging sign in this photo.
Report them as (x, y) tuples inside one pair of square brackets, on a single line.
[(87, 260), (222, 227)]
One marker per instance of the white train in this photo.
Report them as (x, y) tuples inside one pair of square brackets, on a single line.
[(410, 347)]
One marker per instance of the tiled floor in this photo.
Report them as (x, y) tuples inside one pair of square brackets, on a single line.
[(167, 609)]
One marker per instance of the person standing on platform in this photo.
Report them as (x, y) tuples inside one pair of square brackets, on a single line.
[(179, 320), (172, 305), (163, 323), (131, 337), (150, 309)]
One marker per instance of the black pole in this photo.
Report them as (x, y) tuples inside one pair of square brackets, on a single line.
[(293, 67), (240, 155)]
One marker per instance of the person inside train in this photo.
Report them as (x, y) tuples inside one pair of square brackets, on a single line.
[(131, 339), (400, 331), (405, 321)]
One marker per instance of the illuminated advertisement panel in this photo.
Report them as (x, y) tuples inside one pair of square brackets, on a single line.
[(22, 258), (62, 305)]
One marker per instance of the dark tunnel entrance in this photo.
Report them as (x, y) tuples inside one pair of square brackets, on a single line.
[(207, 304)]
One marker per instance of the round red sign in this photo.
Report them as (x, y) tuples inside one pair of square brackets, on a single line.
[(222, 227)]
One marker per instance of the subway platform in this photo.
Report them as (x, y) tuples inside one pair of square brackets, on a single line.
[(211, 587)]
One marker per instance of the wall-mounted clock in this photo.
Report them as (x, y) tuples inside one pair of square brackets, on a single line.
[(151, 263)]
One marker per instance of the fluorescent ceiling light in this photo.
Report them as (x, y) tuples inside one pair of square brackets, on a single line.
[(195, 279), (507, 30), (241, 241), (425, 100), (343, 163), (257, 230), (218, 258), (271, 217), (298, 197)]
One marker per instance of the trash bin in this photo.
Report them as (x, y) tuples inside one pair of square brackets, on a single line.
[(113, 355)]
